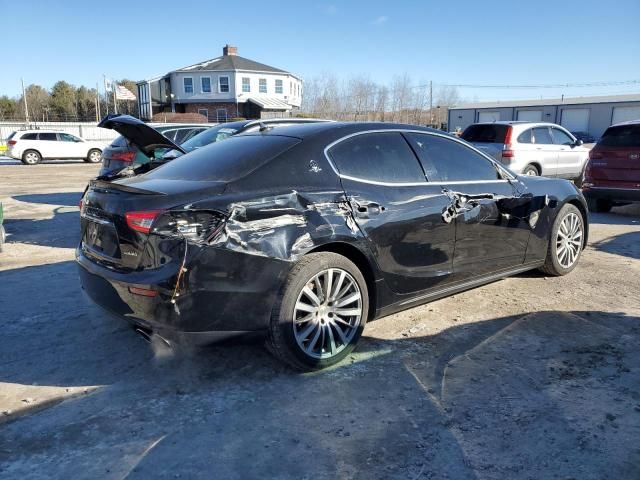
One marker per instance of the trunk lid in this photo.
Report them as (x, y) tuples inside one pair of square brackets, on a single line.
[(138, 133), (106, 234)]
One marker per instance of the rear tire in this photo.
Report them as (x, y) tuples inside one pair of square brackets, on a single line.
[(599, 205), (531, 170), (320, 312), (94, 156), (565, 242), (31, 157)]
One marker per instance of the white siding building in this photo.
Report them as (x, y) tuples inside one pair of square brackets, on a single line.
[(222, 88)]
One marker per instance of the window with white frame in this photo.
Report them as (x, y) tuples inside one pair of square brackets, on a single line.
[(204, 111), (187, 83), (279, 86), (221, 114), (205, 84), (223, 84), (262, 85), (246, 84)]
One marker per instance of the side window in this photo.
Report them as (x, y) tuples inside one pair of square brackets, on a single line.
[(67, 137), (181, 135), (29, 136), (525, 137), (560, 137), (47, 136), (262, 85), (170, 134), (379, 157), (223, 84), (542, 136), (447, 160), (205, 84)]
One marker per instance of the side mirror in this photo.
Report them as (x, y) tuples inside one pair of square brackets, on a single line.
[(578, 143)]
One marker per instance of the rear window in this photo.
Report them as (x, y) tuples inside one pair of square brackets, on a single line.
[(212, 135), (11, 135), (621, 136), (225, 161), (483, 133), (120, 142)]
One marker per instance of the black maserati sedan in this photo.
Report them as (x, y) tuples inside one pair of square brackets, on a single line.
[(307, 232)]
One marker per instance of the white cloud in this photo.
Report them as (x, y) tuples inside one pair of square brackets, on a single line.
[(382, 19)]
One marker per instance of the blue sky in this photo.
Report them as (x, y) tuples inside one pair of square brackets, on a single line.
[(449, 42)]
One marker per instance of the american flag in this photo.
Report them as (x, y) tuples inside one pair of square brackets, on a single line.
[(122, 93)]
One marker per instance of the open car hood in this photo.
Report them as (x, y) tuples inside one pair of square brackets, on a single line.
[(138, 133)]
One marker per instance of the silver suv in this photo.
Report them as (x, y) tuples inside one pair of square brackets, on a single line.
[(530, 148)]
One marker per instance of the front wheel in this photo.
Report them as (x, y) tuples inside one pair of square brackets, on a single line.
[(320, 313), (94, 156), (565, 242)]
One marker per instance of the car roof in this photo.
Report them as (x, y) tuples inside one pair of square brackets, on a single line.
[(37, 130), (628, 122), (340, 129), (515, 122)]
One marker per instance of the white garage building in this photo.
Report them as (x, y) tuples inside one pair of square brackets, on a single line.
[(581, 114)]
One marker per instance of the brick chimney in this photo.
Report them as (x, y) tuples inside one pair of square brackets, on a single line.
[(229, 50)]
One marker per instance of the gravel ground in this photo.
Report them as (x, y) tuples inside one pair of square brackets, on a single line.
[(529, 377)]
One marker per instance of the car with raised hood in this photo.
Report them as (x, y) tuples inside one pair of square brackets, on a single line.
[(33, 146), (306, 233), (159, 151), (132, 151), (531, 148), (612, 176)]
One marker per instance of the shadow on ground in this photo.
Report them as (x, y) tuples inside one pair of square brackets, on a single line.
[(626, 245), (548, 394), (67, 199)]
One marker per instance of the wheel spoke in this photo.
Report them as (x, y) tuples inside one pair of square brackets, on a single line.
[(328, 283), (347, 312), (305, 307), (340, 333), (332, 341), (307, 331), (319, 291), (346, 301), (305, 318), (313, 342), (338, 285), (342, 321), (312, 296)]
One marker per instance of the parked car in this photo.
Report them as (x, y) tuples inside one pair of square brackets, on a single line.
[(306, 233), (123, 153), (612, 176), (2, 232), (531, 148), (586, 137), (33, 146)]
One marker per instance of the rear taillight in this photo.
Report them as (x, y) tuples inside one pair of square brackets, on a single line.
[(195, 225), (507, 152), (142, 221), (145, 292), (12, 142), (123, 156)]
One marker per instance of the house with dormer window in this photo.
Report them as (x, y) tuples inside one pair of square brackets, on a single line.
[(222, 88)]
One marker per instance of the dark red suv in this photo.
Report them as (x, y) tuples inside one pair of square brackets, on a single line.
[(612, 175)]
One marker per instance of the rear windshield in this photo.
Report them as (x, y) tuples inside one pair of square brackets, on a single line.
[(212, 135), (482, 133), (225, 161), (11, 135), (120, 142), (621, 136)]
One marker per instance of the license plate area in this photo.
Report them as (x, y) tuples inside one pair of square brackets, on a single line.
[(102, 238)]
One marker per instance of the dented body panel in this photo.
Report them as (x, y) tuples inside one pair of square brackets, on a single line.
[(215, 254)]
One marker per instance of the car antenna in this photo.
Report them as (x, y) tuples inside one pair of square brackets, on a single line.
[(263, 127)]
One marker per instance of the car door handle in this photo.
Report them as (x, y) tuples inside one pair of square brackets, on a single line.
[(368, 209)]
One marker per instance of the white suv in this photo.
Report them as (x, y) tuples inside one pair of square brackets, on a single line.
[(530, 148), (32, 146)]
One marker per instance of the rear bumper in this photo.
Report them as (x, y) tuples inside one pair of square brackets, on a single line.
[(613, 194), (223, 294)]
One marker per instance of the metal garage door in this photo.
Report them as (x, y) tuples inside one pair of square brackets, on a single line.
[(575, 119), (488, 116), (530, 115), (624, 114)]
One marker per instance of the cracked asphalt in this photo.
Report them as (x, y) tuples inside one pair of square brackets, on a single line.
[(527, 378)]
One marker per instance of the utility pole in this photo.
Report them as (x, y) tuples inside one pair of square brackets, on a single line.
[(106, 94), (24, 99), (431, 102), (97, 103)]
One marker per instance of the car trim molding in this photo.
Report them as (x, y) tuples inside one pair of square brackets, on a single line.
[(414, 184), (472, 283)]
